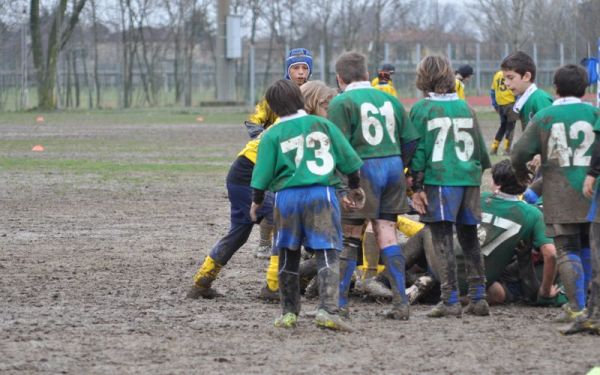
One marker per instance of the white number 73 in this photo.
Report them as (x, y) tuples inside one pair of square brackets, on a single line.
[(322, 153)]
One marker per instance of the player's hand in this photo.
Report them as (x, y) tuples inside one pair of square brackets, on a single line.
[(588, 186), (354, 200), (253, 211), (550, 293), (420, 202)]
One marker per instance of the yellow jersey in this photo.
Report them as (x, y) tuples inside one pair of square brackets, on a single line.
[(460, 89), (263, 114), (385, 87), (503, 94)]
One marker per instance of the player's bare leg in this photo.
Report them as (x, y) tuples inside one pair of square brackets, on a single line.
[(467, 238)]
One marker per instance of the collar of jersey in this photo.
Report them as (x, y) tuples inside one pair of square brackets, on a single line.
[(523, 98), (443, 97), (300, 113), (507, 197), (567, 100), (358, 85)]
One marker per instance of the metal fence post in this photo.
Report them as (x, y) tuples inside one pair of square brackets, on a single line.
[(322, 62), (252, 98), (478, 67)]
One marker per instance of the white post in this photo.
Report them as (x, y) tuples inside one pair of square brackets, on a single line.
[(252, 77), (386, 52), (535, 59), (562, 54), (449, 52)]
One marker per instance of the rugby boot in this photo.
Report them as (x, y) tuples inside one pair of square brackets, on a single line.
[(373, 288), (582, 325), (288, 320), (312, 289), (398, 312), (324, 319), (407, 226), (307, 271), (507, 147), (568, 315), (263, 252), (266, 294), (441, 309), (203, 279), (494, 147), (419, 288), (478, 308)]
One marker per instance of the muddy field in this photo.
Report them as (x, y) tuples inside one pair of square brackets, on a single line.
[(101, 234)]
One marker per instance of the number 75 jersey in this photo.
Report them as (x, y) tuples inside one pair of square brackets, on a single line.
[(564, 135), (451, 151)]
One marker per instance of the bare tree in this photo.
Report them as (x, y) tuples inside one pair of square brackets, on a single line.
[(503, 20), (45, 59)]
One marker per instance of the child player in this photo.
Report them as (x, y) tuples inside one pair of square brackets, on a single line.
[(563, 134), (447, 169), (519, 76), (462, 75), (298, 69), (297, 159), (503, 100), (380, 132)]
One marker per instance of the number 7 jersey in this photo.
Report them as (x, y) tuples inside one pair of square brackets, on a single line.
[(563, 134), (451, 151)]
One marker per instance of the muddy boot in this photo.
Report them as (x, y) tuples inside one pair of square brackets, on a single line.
[(569, 315), (203, 279), (582, 325), (270, 292), (507, 147), (312, 289), (441, 309), (324, 319), (288, 320), (421, 287), (394, 265), (373, 288), (478, 308)]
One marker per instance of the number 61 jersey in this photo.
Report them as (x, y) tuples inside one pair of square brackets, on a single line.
[(451, 151), (374, 122), (563, 134)]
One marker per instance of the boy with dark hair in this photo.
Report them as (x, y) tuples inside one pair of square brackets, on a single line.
[(383, 81), (463, 75), (376, 125), (503, 101), (298, 69), (297, 159), (447, 168), (563, 134), (519, 76)]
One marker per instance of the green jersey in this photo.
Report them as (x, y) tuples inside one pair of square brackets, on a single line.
[(374, 122), (531, 102), (563, 135), (451, 150), (302, 150), (505, 221)]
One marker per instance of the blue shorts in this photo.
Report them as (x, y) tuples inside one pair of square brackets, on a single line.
[(384, 184), (308, 216), (456, 204), (240, 199)]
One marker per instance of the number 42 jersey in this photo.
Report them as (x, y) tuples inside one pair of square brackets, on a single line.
[(563, 134), (451, 151)]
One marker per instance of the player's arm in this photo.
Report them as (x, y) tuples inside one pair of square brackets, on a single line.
[(593, 171), (493, 97), (408, 136), (484, 157), (549, 272), (524, 150), (347, 162)]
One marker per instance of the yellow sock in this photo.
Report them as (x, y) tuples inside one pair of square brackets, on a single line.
[(495, 145), (273, 273), (408, 227), (207, 271), (506, 145)]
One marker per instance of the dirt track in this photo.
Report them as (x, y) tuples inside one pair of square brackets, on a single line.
[(93, 273)]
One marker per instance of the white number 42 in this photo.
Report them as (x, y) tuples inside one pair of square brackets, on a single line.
[(558, 147)]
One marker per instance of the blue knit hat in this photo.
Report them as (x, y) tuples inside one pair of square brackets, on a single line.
[(298, 56)]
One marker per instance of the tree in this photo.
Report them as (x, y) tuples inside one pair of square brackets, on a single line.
[(503, 20), (45, 59)]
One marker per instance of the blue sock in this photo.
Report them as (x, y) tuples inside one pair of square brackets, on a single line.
[(395, 262), (479, 293), (586, 263), (580, 291), (453, 298), (345, 282)]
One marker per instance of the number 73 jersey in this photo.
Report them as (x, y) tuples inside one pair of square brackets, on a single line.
[(563, 135), (451, 151)]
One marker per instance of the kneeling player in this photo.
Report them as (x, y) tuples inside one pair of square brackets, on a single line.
[(297, 160)]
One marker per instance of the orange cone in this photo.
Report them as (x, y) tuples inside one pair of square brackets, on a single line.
[(200, 119), (38, 148), (39, 119)]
